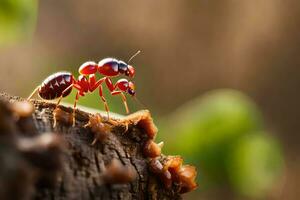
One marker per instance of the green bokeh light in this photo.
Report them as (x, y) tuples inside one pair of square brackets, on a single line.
[(254, 163), (208, 129), (17, 19)]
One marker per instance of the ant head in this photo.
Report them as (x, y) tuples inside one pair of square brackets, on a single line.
[(130, 70), (131, 88), (126, 69)]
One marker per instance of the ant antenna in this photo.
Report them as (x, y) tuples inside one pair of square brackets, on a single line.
[(139, 102), (137, 53)]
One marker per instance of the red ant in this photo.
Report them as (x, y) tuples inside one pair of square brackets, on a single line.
[(60, 84)]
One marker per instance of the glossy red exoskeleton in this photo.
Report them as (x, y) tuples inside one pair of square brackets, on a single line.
[(60, 84)]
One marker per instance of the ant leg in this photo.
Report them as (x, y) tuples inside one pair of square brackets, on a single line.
[(104, 101), (93, 84), (110, 84), (125, 104), (123, 99), (34, 92), (112, 88), (61, 96), (74, 108)]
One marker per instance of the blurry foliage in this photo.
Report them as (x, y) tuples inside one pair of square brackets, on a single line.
[(17, 19), (221, 133), (253, 164)]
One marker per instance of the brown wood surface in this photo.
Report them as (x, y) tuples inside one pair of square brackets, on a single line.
[(38, 161)]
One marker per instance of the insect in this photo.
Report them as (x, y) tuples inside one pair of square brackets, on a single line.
[(60, 84)]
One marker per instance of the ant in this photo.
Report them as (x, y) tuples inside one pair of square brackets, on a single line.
[(60, 84)]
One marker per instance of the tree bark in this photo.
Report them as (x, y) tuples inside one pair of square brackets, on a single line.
[(41, 162)]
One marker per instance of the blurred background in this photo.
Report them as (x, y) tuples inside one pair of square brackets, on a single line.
[(221, 78)]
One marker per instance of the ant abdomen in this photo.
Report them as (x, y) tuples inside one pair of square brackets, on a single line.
[(53, 86)]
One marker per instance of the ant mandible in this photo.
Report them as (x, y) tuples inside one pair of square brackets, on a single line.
[(60, 84)]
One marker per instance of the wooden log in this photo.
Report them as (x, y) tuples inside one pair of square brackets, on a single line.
[(103, 160)]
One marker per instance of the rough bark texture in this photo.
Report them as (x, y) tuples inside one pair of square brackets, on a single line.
[(65, 165)]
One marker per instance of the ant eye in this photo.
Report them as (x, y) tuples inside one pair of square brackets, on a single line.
[(131, 92)]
